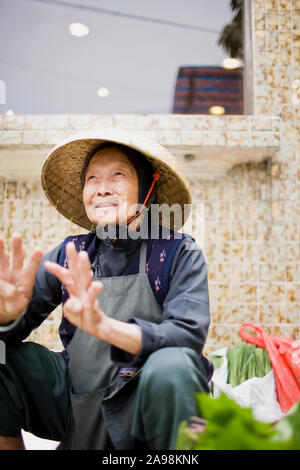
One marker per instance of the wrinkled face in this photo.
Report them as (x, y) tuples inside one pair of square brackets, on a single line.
[(110, 192)]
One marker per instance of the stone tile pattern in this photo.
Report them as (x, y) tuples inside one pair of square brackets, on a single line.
[(253, 216), (276, 55), (186, 130)]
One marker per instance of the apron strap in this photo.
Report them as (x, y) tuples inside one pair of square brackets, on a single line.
[(143, 257)]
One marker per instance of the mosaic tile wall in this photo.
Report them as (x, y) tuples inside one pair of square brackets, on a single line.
[(276, 42), (252, 259), (252, 223), (252, 247)]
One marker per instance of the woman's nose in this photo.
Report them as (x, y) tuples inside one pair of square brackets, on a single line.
[(103, 188)]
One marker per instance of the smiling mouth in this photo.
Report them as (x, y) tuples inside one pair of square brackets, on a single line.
[(106, 204)]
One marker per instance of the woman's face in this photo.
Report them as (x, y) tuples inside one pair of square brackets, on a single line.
[(110, 192)]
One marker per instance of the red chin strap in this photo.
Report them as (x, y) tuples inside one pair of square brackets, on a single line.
[(156, 177)]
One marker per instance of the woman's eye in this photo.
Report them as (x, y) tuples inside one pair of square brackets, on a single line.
[(119, 173), (90, 177)]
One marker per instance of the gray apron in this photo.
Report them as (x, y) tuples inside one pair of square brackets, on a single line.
[(102, 401)]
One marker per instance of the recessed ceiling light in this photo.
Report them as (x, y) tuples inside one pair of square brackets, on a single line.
[(78, 29), (103, 92), (231, 63), (216, 110)]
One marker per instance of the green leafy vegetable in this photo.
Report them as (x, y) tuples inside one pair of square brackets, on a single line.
[(231, 427), (216, 360), (244, 362)]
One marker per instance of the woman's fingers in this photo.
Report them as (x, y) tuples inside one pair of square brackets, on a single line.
[(73, 306), (85, 271), (77, 278), (63, 275), (17, 255), (4, 261), (16, 275), (92, 295), (85, 313), (17, 251), (80, 267), (13, 303), (73, 310), (86, 305), (72, 256), (74, 265), (30, 270)]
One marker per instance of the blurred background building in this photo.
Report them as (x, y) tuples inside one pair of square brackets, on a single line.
[(215, 89), (101, 56), (209, 90)]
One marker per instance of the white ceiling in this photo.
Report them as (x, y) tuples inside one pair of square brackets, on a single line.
[(46, 70)]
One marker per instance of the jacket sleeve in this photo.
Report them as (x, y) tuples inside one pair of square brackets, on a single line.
[(186, 309), (45, 298)]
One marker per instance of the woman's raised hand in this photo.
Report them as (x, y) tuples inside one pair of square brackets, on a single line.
[(82, 308), (16, 281)]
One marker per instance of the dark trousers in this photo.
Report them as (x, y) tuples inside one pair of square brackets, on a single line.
[(34, 393)]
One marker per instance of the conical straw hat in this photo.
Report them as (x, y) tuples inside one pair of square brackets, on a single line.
[(62, 171)]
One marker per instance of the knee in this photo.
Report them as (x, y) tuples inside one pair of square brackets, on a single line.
[(168, 367)]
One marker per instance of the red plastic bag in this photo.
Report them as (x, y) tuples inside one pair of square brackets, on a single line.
[(284, 354)]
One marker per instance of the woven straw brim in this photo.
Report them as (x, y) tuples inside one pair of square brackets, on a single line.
[(62, 170)]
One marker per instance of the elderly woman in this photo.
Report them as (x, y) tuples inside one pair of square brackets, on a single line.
[(135, 307)]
